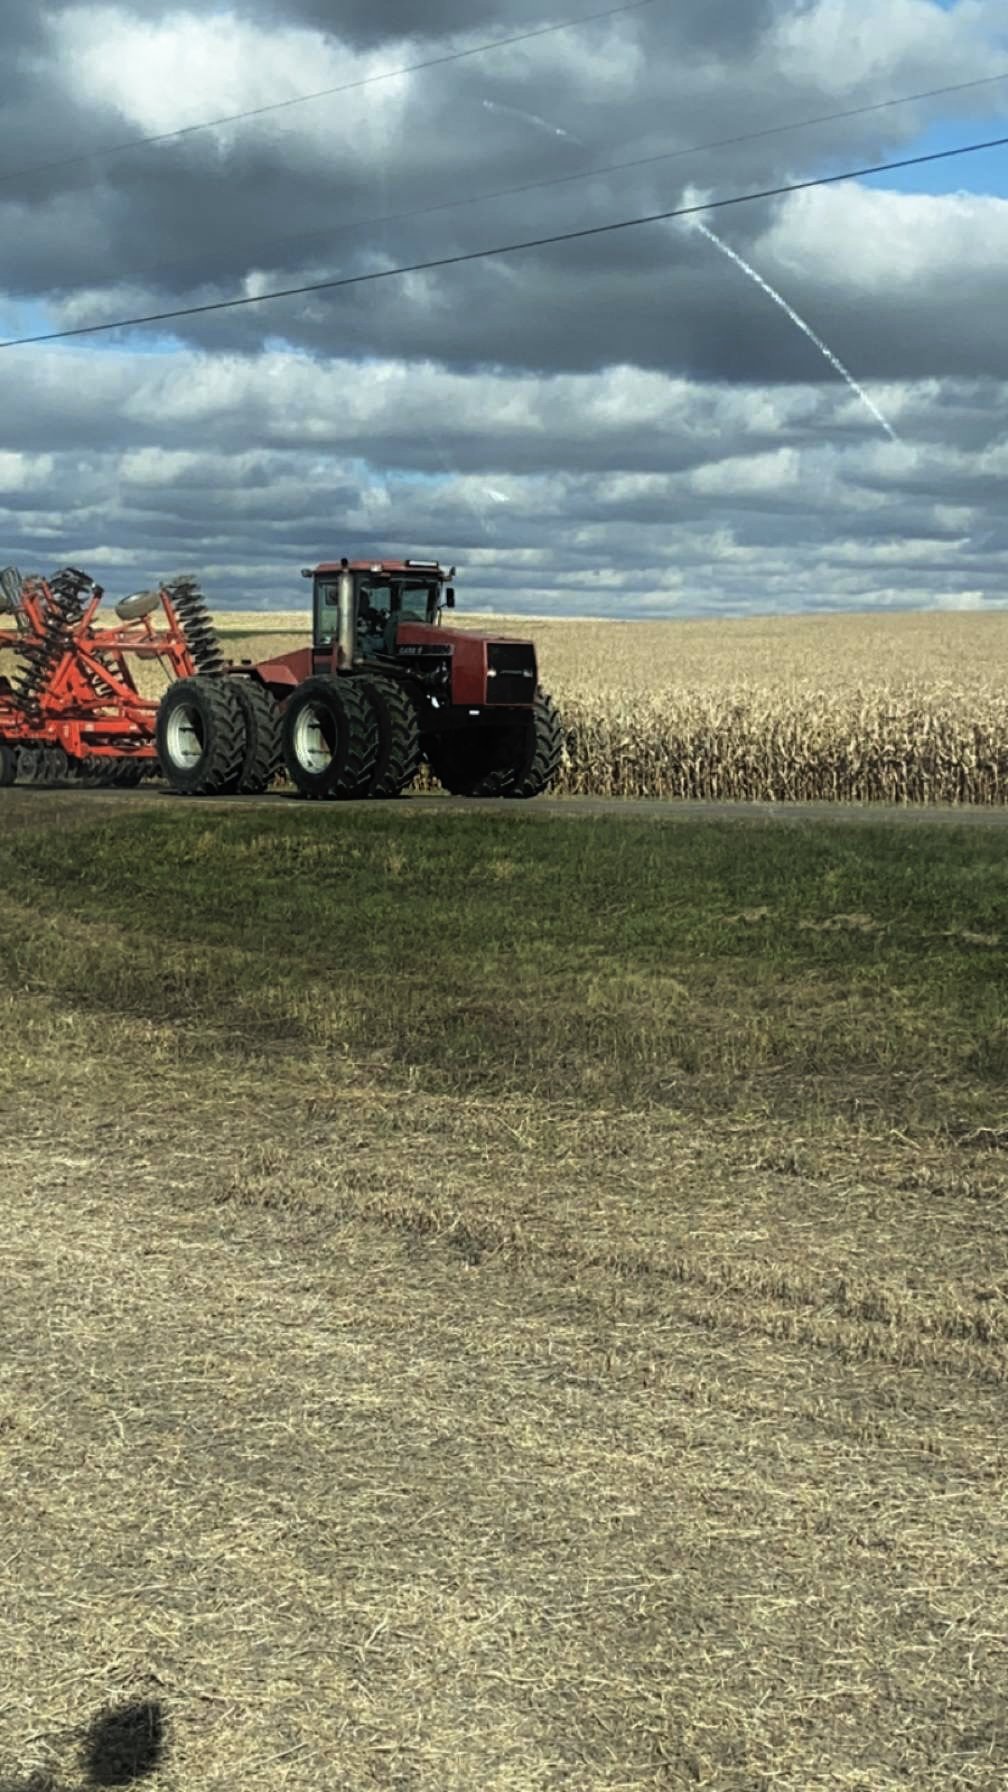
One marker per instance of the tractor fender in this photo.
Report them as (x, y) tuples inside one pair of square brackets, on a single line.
[(282, 675)]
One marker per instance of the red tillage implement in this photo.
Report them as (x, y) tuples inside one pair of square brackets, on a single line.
[(71, 706)]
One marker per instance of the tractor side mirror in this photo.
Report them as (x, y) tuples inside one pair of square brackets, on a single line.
[(449, 597)]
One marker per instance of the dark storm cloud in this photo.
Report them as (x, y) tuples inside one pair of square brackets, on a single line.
[(714, 23), (663, 298), (191, 221), (369, 22), (625, 420), (297, 195)]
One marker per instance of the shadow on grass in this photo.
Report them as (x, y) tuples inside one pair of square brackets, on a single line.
[(123, 1746)]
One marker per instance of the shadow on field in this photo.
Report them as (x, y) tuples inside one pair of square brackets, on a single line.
[(122, 1746)]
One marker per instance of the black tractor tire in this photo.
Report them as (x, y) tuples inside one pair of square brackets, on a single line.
[(200, 735), (8, 764), (472, 762), (398, 735), (330, 739), (518, 759), (540, 751), (263, 760)]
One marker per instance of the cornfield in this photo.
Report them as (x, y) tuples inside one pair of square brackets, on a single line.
[(898, 708), (744, 743), (903, 708)]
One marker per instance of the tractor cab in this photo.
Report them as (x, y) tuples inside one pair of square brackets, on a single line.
[(359, 606)]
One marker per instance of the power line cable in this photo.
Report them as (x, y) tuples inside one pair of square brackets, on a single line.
[(302, 99), (559, 180), (670, 155), (541, 242)]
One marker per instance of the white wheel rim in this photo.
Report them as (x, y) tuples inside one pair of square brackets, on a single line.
[(184, 741), (314, 739)]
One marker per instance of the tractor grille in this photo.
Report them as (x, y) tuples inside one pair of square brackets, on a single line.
[(511, 668)]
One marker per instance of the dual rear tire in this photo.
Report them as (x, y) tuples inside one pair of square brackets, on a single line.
[(218, 737), (200, 736), (338, 737), (351, 738)]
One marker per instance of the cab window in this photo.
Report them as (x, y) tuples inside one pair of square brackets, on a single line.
[(374, 606), (326, 611)]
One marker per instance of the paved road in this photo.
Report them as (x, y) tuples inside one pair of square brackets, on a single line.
[(22, 805)]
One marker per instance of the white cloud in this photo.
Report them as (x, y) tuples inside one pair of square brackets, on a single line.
[(23, 472), (882, 245), (771, 473), (964, 600), (165, 73), (158, 467), (792, 514), (847, 45)]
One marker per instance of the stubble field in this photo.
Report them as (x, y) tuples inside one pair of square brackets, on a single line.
[(491, 1303), (500, 1304)]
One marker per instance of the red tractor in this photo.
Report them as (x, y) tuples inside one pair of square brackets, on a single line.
[(382, 687)]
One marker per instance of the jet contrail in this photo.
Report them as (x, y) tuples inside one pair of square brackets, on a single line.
[(805, 328), (543, 124)]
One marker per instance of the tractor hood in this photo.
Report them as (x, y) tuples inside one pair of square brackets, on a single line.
[(485, 668)]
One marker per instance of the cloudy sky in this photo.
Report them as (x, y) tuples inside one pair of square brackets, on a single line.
[(625, 424)]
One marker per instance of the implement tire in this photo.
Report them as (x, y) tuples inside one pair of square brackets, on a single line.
[(330, 739), (398, 735), (91, 772), (127, 773), (8, 764), (55, 766), (200, 735), (263, 760), (30, 761)]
